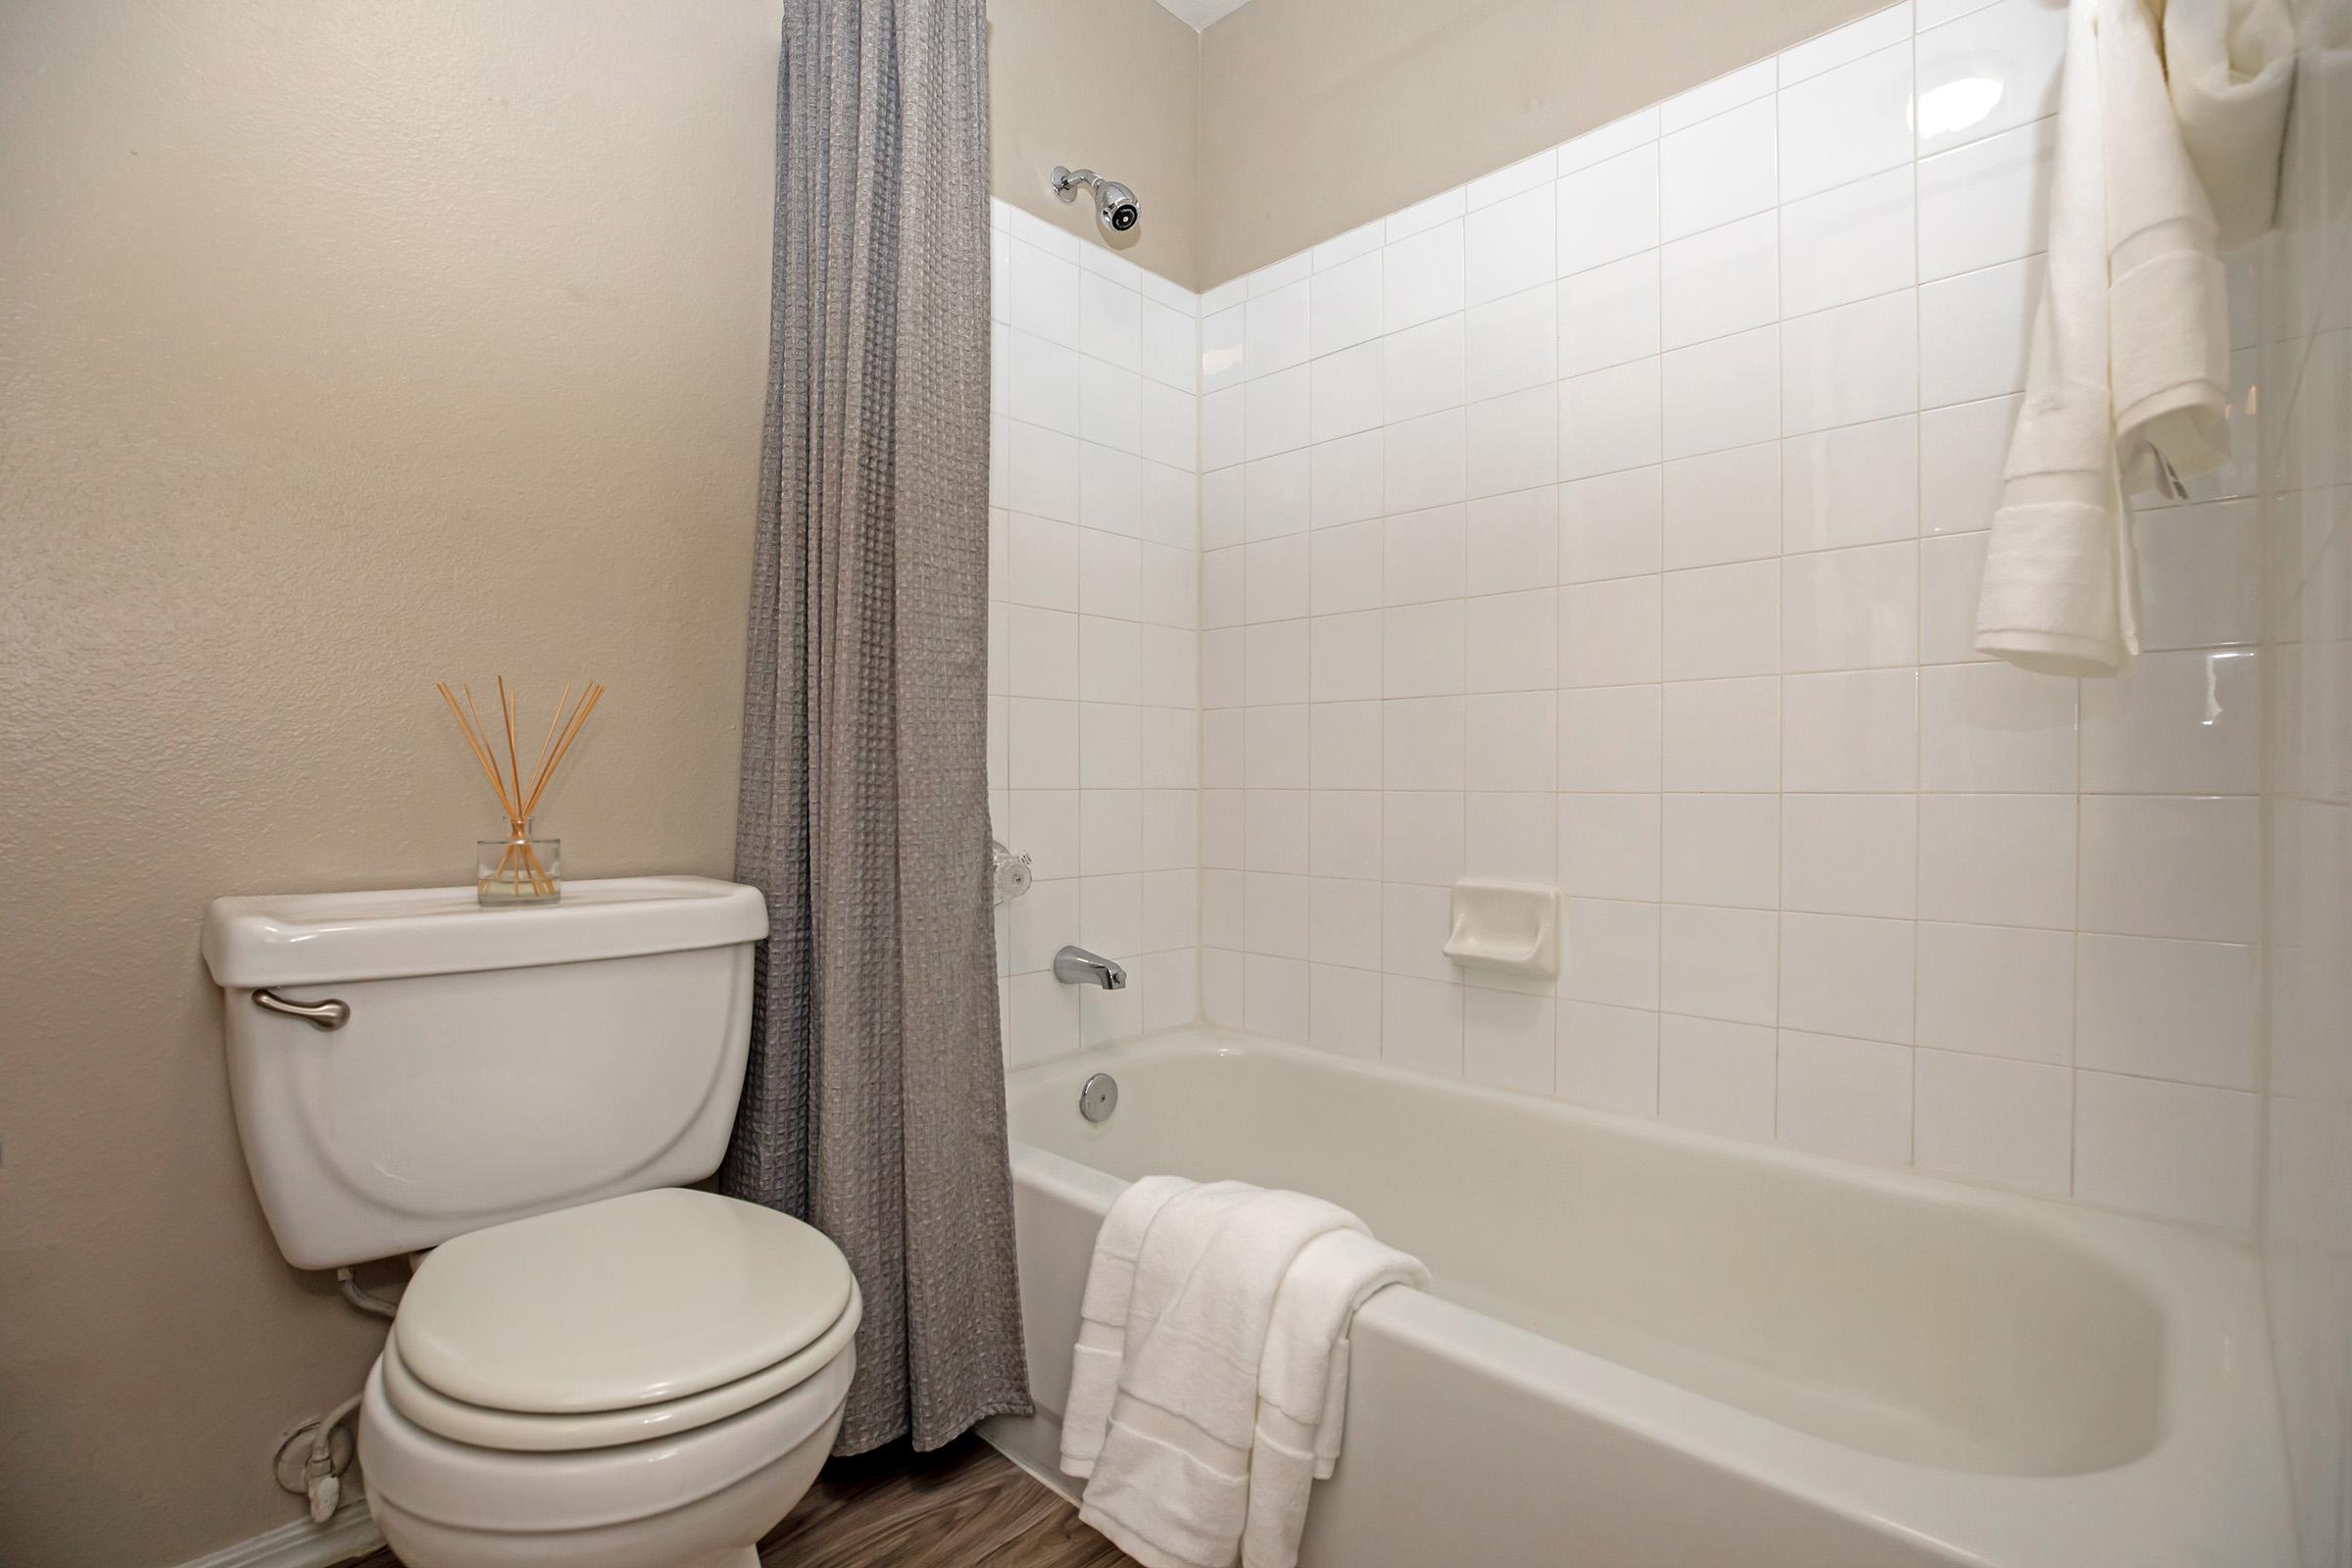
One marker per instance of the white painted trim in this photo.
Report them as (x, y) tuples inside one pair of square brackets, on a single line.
[(350, 1533)]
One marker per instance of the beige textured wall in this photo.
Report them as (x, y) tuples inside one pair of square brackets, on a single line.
[(1321, 114), (342, 346), (1108, 84)]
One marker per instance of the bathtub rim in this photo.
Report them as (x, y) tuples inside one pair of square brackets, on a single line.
[(2215, 1476)]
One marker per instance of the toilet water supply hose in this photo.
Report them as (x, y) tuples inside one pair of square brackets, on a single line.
[(319, 1483)]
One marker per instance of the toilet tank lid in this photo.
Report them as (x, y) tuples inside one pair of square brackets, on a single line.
[(321, 938)]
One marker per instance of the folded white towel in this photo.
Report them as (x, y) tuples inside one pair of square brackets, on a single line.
[(1171, 1486), (2232, 69), (1105, 1311), (1302, 1382), (1222, 1288)]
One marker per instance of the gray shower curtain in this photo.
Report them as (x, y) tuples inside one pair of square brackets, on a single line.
[(875, 1102)]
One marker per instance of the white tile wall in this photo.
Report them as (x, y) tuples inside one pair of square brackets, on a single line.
[(1095, 596), (1613, 521)]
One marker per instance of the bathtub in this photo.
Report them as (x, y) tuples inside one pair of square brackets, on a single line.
[(1653, 1349)]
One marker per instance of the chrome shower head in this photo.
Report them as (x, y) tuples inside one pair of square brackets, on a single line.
[(1115, 205)]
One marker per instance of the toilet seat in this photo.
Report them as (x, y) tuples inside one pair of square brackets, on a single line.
[(517, 1433), (638, 1317), (423, 1486)]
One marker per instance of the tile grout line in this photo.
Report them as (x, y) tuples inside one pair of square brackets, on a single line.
[(1919, 593)]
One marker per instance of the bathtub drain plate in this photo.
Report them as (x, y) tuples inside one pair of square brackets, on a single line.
[(1099, 1097)]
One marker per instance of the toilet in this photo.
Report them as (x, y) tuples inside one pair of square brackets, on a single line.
[(592, 1365)]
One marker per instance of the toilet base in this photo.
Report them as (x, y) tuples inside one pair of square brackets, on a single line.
[(744, 1511)]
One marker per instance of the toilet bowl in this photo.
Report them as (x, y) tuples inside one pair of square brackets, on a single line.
[(651, 1380)]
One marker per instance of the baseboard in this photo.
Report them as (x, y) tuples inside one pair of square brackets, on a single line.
[(1032, 1443), (350, 1532)]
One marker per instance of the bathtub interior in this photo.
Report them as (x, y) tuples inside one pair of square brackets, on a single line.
[(1910, 1322)]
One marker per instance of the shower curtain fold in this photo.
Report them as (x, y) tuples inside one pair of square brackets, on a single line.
[(874, 1104)]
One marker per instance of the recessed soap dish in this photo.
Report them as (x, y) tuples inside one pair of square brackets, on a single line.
[(1509, 926)]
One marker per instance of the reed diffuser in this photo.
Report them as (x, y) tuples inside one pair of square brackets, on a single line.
[(520, 869)]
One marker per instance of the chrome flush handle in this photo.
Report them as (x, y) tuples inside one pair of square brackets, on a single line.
[(327, 1014)]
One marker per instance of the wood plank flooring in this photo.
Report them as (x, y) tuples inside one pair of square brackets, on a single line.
[(964, 1507), (967, 1504)]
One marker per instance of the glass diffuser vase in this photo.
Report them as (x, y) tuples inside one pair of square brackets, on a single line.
[(518, 868)]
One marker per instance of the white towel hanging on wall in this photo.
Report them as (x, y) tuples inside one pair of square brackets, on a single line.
[(2231, 67), (2126, 384), (2168, 301)]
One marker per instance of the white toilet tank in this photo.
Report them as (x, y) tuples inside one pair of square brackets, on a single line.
[(494, 1062)]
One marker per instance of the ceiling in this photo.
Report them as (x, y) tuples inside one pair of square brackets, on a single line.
[(1200, 13)]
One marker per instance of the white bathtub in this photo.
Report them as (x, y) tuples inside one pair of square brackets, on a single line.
[(1650, 1349)]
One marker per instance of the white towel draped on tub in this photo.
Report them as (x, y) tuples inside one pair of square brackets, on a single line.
[(1105, 1313), (1302, 1384), (1211, 1374), (2128, 371)]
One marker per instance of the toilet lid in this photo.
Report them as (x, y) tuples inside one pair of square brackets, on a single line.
[(630, 1301)]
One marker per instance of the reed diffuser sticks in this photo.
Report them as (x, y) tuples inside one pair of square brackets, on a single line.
[(520, 875)]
